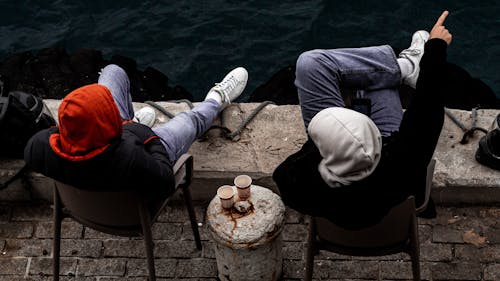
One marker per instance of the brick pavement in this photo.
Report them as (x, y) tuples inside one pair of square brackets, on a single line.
[(461, 244)]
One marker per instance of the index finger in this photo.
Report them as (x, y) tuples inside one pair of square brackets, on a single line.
[(441, 19)]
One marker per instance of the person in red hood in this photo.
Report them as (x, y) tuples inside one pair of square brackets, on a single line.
[(98, 146)]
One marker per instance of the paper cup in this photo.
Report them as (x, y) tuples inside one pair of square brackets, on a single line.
[(243, 183), (226, 196)]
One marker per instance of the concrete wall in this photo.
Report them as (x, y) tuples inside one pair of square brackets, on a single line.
[(278, 131)]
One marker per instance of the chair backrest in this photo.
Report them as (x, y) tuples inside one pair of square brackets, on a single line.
[(392, 231), (390, 235), (115, 211), (112, 209)]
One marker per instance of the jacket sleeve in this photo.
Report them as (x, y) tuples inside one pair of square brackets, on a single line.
[(424, 118), (422, 121), (150, 140), (37, 149), (150, 161), (433, 67)]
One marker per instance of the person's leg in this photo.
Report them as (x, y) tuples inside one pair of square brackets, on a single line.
[(116, 80), (320, 74), (409, 59), (180, 132), (386, 109)]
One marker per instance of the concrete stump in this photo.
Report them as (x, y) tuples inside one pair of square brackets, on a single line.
[(248, 245)]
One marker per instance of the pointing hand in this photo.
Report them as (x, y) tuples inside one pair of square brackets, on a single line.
[(440, 31)]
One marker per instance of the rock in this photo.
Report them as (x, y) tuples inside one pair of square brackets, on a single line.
[(278, 89), (53, 73)]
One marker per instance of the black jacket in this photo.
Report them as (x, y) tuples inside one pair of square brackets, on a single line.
[(136, 161), (401, 171)]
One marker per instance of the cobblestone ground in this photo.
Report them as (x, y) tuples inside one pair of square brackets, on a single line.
[(461, 244)]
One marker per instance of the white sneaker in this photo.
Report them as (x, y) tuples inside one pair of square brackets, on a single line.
[(145, 116), (414, 54), (231, 86)]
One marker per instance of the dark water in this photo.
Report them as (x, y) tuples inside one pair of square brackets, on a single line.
[(196, 42)]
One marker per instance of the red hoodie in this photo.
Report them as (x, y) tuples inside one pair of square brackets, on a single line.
[(88, 122)]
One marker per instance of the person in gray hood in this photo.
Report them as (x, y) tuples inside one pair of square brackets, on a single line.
[(359, 162)]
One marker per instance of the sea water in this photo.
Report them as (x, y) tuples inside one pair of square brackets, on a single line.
[(196, 42)]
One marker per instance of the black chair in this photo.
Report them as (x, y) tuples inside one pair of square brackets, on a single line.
[(122, 213), (397, 232)]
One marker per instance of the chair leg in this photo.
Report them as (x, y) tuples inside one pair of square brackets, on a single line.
[(148, 240), (415, 266), (57, 236), (192, 215), (310, 251), (415, 250)]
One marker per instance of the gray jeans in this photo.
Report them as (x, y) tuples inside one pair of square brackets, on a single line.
[(177, 134), (321, 74)]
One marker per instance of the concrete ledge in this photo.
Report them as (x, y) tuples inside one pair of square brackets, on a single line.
[(458, 177), (278, 131)]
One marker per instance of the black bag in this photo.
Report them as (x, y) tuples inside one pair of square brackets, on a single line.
[(488, 151), (21, 116)]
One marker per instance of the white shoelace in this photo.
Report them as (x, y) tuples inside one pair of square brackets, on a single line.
[(225, 87), (409, 52)]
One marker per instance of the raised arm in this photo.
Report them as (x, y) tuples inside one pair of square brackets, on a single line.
[(440, 31)]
